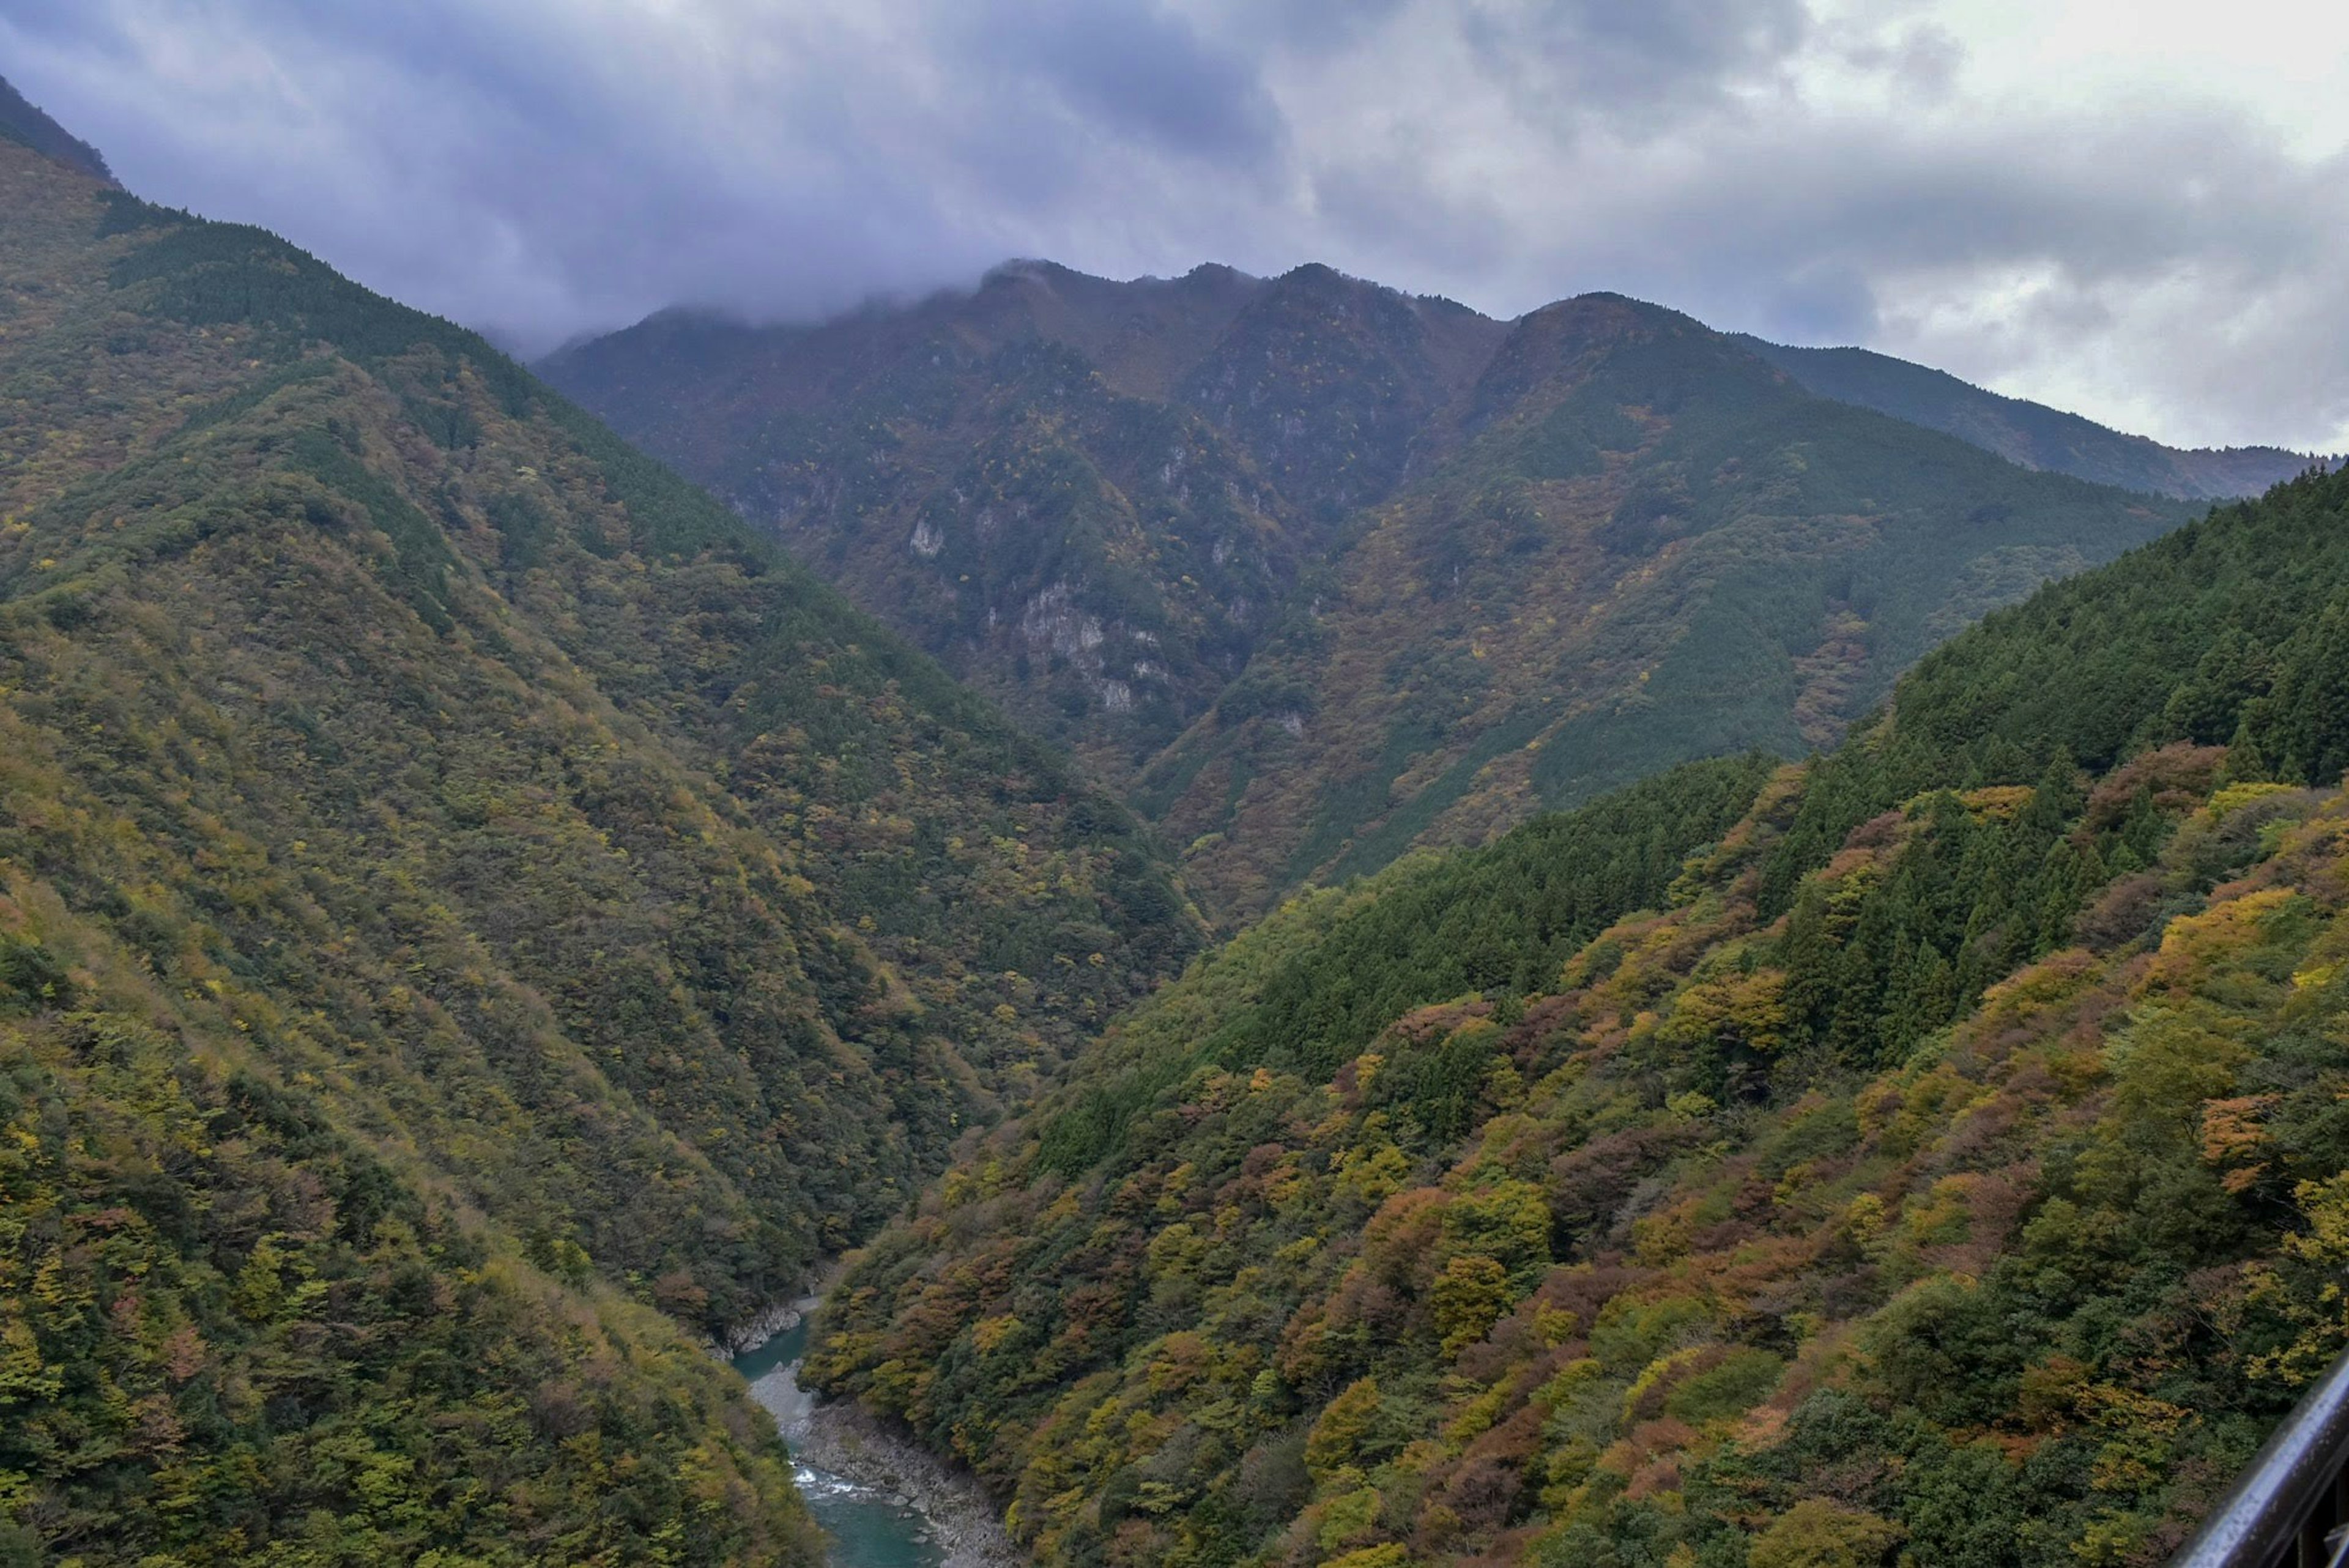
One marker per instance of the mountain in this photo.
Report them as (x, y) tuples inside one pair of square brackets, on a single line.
[(1632, 543), (1091, 499), (474, 918), (22, 123), (1931, 1152), (1313, 571), (2028, 433)]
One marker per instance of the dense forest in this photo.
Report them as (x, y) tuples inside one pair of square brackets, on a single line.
[(1647, 546), (1315, 572), (231, 1333), (1929, 1153), (474, 918)]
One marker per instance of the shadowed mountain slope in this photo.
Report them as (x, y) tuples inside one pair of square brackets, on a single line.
[(1091, 499)]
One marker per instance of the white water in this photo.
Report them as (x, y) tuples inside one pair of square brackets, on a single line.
[(869, 1527)]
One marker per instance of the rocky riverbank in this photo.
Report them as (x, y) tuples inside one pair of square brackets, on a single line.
[(842, 1438), (744, 1337), (854, 1461)]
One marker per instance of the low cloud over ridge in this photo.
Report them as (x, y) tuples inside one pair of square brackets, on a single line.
[(2130, 210)]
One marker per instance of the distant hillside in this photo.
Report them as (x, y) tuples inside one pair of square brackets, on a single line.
[(474, 918), (2032, 435), (1315, 571), (1931, 1154), (22, 123)]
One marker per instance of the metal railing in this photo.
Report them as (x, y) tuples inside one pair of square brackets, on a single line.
[(2292, 1506)]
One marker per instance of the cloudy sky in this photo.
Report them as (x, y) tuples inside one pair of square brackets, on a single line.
[(2135, 208)]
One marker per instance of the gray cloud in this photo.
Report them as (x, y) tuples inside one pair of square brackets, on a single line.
[(1313, 27), (2159, 258), (2185, 258), (1132, 69), (1633, 64)]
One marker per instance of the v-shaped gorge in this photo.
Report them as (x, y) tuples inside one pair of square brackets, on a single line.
[(474, 914), (1313, 571)]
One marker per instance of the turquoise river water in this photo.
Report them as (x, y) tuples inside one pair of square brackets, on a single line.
[(868, 1528)]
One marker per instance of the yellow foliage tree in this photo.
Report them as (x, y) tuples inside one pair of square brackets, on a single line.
[(1817, 1533)]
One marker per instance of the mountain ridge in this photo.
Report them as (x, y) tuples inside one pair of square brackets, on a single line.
[(1645, 546), (22, 123), (1289, 561), (2030, 433)]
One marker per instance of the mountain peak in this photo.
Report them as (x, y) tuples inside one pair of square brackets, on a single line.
[(1315, 274), (1215, 273), (21, 121)]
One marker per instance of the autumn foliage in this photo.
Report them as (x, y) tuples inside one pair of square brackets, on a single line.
[(1943, 1167)]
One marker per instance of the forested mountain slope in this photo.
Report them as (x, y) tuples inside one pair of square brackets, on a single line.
[(1315, 571), (2032, 435), (462, 890), (1637, 545), (1930, 1153), (233, 1332)]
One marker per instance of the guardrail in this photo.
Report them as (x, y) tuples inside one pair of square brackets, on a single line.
[(2292, 1506)]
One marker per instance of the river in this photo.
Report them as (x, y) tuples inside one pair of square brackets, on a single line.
[(870, 1527)]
